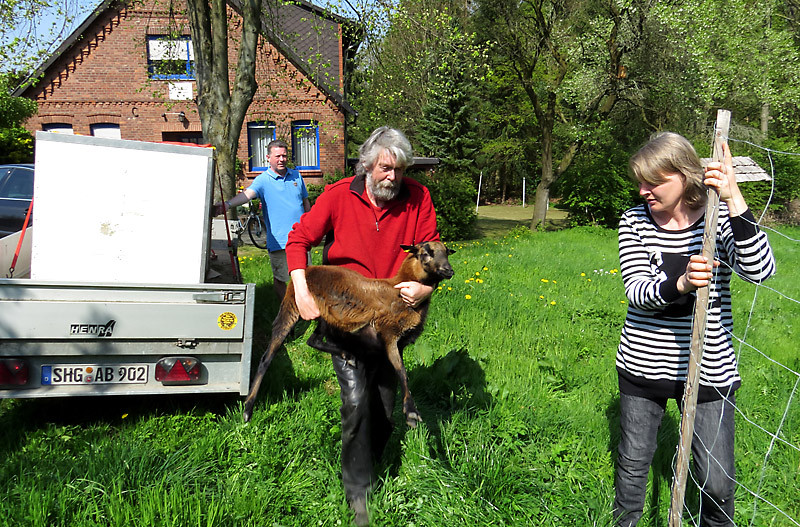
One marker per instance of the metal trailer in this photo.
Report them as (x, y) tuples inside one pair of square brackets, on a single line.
[(133, 332)]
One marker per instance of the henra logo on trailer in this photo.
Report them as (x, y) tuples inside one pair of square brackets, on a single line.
[(100, 330)]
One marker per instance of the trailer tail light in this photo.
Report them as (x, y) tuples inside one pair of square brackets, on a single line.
[(13, 372), (178, 370)]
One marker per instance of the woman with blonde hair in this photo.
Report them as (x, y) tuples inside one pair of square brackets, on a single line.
[(661, 262)]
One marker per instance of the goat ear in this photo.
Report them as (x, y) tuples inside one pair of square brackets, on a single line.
[(409, 248)]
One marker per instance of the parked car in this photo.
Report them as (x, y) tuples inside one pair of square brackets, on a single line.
[(16, 192)]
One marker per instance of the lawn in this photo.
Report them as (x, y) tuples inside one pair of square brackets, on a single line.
[(514, 378)]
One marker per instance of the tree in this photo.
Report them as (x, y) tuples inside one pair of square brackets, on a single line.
[(31, 30), (568, 57), (16, 143), (223, 107)]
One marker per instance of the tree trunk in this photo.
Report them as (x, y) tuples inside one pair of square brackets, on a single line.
[(222, 110), (543, 188), (765, 118)]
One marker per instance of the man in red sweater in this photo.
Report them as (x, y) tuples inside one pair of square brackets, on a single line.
[(364, 220)]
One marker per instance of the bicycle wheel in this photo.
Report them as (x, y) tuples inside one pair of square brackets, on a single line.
[(257, 232)]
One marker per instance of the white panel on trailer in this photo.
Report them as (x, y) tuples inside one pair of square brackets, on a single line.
[(113, 210)]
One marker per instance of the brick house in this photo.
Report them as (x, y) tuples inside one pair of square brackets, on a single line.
[(127, 72)]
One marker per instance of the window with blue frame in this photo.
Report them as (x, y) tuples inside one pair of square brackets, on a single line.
[(170, 57), (259, 134), (305, 145)]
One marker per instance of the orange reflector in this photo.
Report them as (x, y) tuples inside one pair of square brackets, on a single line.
[(178, 370), (13, 372)]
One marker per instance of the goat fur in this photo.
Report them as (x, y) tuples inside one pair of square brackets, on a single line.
[(370, 308)]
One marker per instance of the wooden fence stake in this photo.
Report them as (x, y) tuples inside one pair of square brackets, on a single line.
[(698, 336)]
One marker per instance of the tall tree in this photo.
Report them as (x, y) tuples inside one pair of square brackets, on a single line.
[(568, 56), (222, 106), (31, 30), (16, 143)]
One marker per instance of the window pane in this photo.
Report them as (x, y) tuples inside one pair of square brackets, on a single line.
[(260, 134), (304, 139), (108, 130), (19, 185), (59, 128), (170, 57), (164, 49)]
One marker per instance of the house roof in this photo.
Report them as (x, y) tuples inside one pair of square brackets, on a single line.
[(286, 27), (745, 169)]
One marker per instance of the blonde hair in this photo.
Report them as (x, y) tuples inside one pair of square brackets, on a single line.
[(670, 153)]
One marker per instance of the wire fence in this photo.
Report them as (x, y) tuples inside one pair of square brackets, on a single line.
[(769, 495)]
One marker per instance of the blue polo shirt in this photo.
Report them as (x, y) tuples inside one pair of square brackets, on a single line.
[(281, 203)]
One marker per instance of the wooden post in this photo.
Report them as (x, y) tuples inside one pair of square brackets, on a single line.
[(698, 335)]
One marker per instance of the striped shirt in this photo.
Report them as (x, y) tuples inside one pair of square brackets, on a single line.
[(653, 354)]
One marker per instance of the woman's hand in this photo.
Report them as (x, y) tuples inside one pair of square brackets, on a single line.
[(721, 176), (414, 293), (699, 273)]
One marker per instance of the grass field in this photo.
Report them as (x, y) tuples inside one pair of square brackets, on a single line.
[(514, 378)]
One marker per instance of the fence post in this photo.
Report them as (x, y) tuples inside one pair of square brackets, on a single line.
[(698, 336), (478, 201)]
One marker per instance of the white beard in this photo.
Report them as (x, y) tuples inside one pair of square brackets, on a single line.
[(385, 190)]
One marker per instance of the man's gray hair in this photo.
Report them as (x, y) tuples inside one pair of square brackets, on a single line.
[(384, 138)]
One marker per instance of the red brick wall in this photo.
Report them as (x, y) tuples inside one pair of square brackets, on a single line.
[(104, 79)]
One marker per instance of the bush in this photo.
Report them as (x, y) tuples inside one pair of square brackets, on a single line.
[(315, 190), (453, 197), (16, 145), (596, 190)]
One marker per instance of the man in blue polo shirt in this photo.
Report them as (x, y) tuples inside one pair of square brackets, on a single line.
[(284, 199)]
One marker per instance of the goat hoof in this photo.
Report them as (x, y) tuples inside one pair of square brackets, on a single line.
[(247, 414), (413, 419)]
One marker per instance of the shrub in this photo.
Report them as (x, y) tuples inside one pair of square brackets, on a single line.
[(596, 190), (16, 145), (453, 195)]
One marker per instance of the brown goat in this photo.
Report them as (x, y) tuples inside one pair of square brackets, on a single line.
[(349, 303)]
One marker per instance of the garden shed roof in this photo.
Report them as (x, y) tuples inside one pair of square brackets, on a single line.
[(745, 168)]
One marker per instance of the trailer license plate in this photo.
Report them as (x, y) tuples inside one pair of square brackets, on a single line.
[(94, 374)]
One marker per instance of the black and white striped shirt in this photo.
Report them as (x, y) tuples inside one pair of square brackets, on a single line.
[(653, 354)]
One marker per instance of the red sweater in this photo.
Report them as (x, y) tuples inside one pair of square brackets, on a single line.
[(359, 236)]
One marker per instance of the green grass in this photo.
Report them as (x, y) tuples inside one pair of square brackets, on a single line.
[(516, 386)]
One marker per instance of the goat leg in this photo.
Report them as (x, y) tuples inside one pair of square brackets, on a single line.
[(409, 407), (283, 324)]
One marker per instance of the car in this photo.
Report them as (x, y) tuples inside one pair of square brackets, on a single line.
[(16, 193)]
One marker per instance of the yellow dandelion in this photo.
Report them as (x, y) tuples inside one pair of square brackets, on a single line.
[(545, 280), (479, 281), (552, 302), (583, 274), (124, 416), (541, 297), (449, 288), (468, 297), (588, 279), (485, 268)]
